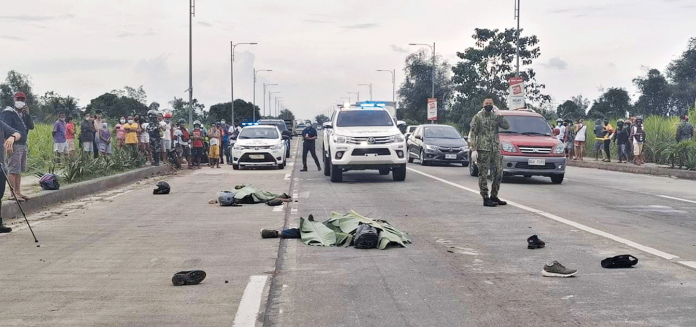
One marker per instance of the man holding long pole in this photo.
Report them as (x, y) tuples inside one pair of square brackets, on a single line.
[(9, 135)]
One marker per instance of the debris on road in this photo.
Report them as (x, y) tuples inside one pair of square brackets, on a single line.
[(556, 269), (162, 188), (620, 261), (341, 230), (533, 242), (191, 277)]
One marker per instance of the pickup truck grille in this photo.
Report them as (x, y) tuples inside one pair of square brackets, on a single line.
[(370, 140), (536, 150)]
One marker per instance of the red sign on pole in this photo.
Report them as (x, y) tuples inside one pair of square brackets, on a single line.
[(432, 108)]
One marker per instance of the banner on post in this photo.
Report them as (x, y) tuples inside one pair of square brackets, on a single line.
[(516, 93), (432, 108)]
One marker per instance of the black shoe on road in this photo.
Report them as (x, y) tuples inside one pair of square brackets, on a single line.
[(558, 270), (533, 242), (489, 203), (4, 229), (498, 201), (303, 169), (192, 277), (269, 233)]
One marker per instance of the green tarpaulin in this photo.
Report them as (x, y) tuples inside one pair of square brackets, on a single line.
[(339, 230), (249, 193)]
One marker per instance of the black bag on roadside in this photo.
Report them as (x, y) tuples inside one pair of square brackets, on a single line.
[(366, 237), (49, 182), (620, 261)]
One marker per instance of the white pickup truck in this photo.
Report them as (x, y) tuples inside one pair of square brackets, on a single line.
[(363, 138)]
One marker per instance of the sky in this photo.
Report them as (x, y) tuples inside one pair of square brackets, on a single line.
[(320, 50)]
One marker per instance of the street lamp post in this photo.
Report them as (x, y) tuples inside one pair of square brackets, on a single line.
[(276, 104), (433, 76), (357, 94), (370, 86), (264, 99), (253, 109), (393, 74), (517, 16), (232, 46), (269, 100), (192, 13)]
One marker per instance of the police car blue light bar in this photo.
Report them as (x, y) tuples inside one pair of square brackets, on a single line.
[(371, 104)]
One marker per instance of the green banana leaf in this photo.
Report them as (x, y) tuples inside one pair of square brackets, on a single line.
[(256, 195), (316, 233)]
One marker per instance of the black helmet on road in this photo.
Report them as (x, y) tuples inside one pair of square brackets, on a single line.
[(162, 188)]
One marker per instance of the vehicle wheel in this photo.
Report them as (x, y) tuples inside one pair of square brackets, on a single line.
[(336, 174), (557, 179), (384, 171), (527, 176), (473, 170), (410, 160), (465, 164), (281, 166), (235, 167), (327, 166), (422, 161), (399, 174)]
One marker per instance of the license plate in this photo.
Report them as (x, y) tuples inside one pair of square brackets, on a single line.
[(256, 156), (537, 162), (450, 156)]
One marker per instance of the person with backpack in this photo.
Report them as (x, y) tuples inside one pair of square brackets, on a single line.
[(579, 142), (638, 138), (621, 140)]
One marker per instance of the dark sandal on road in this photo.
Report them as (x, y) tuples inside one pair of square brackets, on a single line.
[(192, 277)]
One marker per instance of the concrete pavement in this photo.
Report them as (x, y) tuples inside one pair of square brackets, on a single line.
[(108, 260)]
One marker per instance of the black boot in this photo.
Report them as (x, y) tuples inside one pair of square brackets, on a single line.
[(487, 202), (4, 229), (498, 201)]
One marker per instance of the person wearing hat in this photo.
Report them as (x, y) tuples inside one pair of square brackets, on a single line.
[(685, 131), (17, 117), (621, 140)]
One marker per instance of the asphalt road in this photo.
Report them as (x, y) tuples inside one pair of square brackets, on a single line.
[(109, 260)]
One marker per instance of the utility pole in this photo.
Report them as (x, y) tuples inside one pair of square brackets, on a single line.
[(192, 13), (253, 108), (264, 99), (517, 16), (269, 100), (232, 46)]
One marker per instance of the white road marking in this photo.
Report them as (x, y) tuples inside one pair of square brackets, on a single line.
[(293, 210), (690, 264), (678, 199), (290, 164), (588, 229), (251, 302), (287, 177), (117, 195), (278, 208)]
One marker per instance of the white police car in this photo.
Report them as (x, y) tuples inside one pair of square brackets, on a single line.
[(259, 146)]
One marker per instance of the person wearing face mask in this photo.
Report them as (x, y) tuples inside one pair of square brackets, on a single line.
[(120, 132), (60, 142), (104, 140), (131, 129), (9, 136), (485, 147), (19, 119), (87, 134), (70, 132)]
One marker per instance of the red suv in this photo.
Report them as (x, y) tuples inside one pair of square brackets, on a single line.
[(529, 147)]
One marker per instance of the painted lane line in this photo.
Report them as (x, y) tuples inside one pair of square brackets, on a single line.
[(251, 302), (588, 229), (678, 199), (690, 264), (287, 177), (278, 208)]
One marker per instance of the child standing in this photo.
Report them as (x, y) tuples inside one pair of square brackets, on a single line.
[(197, 137)]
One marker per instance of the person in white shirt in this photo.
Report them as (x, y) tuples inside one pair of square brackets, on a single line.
[(166, 131), (561, 129)]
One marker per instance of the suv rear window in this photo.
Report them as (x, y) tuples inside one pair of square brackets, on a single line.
[(364, 118), (280, 124), (529, 125)]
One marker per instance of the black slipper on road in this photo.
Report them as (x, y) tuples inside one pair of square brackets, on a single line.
[(192, 277), (620, 261)]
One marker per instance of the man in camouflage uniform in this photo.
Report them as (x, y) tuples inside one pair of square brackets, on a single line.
[(685, 131), (485, 147), (153, 129)]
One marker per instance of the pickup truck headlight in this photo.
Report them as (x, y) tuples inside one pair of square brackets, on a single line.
[(509, 147), (559, 149), (339, 139), (398, 138)]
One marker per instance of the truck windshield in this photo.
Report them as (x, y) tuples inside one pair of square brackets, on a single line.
[(364, 118), (258, 133), (528, 125)]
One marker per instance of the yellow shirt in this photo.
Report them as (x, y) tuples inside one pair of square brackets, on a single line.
[(131, 137)]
